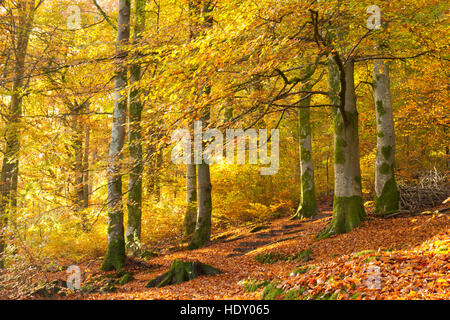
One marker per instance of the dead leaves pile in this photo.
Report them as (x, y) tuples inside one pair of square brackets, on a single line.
[(399, 258), (419, 273)]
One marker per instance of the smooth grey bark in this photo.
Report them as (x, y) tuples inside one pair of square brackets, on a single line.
[(387, 196), (80, 147), (134, 205), (308, 205), (10, 165), (115, 254), (202, 233), (87, 135), (190, 217), (348, 208)]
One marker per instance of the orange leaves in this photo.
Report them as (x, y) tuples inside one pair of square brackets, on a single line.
[(416, 273), (384, 259)]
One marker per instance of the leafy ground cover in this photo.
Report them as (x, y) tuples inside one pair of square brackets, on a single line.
[(398, 258)]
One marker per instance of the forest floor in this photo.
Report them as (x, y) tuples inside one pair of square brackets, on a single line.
[(386, 258)]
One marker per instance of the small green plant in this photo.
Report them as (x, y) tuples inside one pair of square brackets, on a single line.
[(302, 256), (301, 270), (271, 291), (253, 285), (272, 257), (364, 252), (294, 294)]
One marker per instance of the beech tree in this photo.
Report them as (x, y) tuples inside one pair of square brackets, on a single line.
[(202, 233), (134, 205), (10, 166), (348, 208), (115, 254), (190, 216), (308, 204), (387, 196)]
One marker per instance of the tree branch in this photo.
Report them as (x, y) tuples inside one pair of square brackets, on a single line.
[(103, 13)]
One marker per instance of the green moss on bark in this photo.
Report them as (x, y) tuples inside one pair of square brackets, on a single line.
[(305, 155), (181, 271), (388, 201), (190, 219), (348, 212), (308, 206), (380, 109), (115, 256), (386, 151), (201, 235), (385, 168), (339, 152)]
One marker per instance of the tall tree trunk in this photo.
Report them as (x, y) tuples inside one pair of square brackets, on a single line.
[(10, 165), (308, 204), (115, 254), (190, 217), (348, 208), (81, 157), (133, 233), (202, 233), (87, 134), (387, 196), (157, 180)]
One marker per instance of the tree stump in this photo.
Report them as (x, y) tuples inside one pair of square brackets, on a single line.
[(181, 271)]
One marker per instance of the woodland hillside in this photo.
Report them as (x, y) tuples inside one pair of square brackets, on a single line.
[(201, 149)]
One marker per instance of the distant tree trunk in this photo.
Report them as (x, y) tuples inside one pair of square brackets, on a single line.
[(81, 161), (87, 134), (155, 159), (10, 165), (387, 196), (190, 217), (133, 233), (348, 208), (202, 233), (157, 180), (115, 254), (308, 204)]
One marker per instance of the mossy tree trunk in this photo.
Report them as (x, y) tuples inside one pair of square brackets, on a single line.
[(134, 205), (80, 155), (181, 271), (202, 233), (308, 205), (190, 217), (387, 196), (10, 166), (115, 254), (348, 208)]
